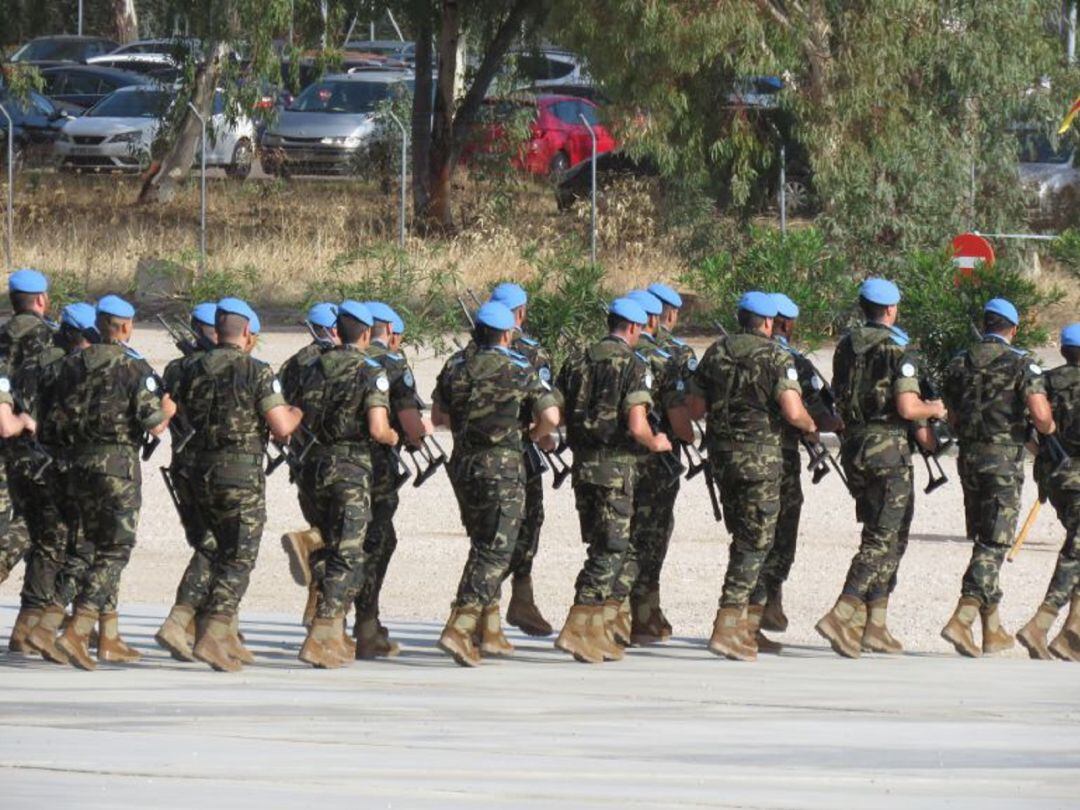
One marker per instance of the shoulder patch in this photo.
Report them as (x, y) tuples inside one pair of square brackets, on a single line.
[(382, 383), (907, 370), (151, 385), (648, 380), (1035, 369), (545, 374), (275, 386), (5, 385), (692, 364), (408, 379), (792, 374), (680, 386), (816, 383)]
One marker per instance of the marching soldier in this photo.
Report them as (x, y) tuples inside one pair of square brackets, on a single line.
[(748, 387), (230, 400), (992, 389), (876, 383), (480, 395), (344, 396), (1062, 486), (607, 391)]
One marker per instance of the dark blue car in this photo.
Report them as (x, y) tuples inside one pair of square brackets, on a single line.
[(83, 86)]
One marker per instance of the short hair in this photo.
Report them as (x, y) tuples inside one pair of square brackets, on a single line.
[(872, 311), (109, 325), (350, 329), (616, 323), (229, 324), (69, 336), (22, 301), (781, 320), (487, 335), (750, 320), (992, 322), (203, 330), (1071, 353), (381, 329)]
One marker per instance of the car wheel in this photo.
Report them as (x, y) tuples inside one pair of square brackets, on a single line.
[(560, 163), (242, 158), (798, 197)]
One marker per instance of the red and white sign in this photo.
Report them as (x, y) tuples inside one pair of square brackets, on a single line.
[(970, 249)]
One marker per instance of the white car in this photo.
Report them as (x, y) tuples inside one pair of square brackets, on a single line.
[(118, 132), (1051, 176)]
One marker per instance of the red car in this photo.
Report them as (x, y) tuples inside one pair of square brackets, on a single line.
[(557, 138)]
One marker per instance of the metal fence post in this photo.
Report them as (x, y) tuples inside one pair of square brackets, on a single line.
[(592, 188), (202, 190), (9, 246), (404, 159), (783, 188)]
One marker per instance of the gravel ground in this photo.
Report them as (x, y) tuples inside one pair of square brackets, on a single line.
[(433, 546)]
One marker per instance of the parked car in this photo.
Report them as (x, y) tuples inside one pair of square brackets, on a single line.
[(330, 125), (546, 67), (57, 49), (176, 47), (118, 133), (1051, 176), (85, 85), (160, 67), (36, 126), (392, 49)]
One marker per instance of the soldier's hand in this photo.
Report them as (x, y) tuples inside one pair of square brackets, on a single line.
[(661, 443), (29, 425), (813, 438), (168, 406), (937, 408), (392, 438), (429, 426), (547, 443), (831, 424), (926, 439)]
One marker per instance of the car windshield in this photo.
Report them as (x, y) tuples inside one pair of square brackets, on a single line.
[(1035, 147), (346, 97), (136, 104), (51, 50)]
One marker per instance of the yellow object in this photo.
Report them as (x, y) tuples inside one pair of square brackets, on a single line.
[(1074, 110), (1028, 523)]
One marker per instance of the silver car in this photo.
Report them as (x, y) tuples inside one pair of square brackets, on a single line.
[(119, 131), (330, 126), (1051, 177)]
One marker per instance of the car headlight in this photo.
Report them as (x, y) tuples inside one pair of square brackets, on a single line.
[(348, 141), (126, 137)]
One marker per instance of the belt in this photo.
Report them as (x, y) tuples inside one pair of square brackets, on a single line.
[(91, 450), (222, 457)]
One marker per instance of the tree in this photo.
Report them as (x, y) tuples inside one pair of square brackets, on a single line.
[(125, 20)]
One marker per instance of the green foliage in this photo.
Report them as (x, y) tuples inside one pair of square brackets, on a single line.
[(65, 287), (1066, 250)]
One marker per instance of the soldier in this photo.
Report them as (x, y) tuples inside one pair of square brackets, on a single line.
[(638, 620), (22, 338), (747, 386), (406, 412), (346, 408), (1062, 486), (105, 403), (991, 390), (876, 384), (606, 389), (522, 611), (177, 632), (230, 399), (766, 604), (480, 396)]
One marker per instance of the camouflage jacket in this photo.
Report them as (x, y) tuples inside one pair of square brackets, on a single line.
[(669, 380), (337, 390), (1063, 388), (741, 378), (172, 377), (38, 385), (292, 370), (22, 338), (402, 395), (225, 393), (871, 366), (986, 388), (811, 385), (484, 392)]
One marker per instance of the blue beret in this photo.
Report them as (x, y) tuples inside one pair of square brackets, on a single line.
[(384, 312), (27, 281), (666, 295), (629, 310), (648, 302), (234, 306), (357, 311), (785, 307), (80, 315), (759, 303), (496, 316), (999, 306), (880, 291), (255, 325), (115, 306), (205, 313), (1070, 335), (323, 314), (510, 295)]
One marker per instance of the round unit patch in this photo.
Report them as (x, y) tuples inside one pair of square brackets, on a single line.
[(816, 383), (151, 384), (275, 386), (1035, 369), (908, 370), (382, 383), (5, 385), (680, 386), (648, 379), (545, 374), (792, 374), (692, 364), (407, 378)]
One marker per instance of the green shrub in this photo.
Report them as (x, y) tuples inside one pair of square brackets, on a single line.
[(568, 303), (1066, 250)]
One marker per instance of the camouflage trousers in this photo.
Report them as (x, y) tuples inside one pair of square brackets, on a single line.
[(879, 471), (605, 507), (778, 562), (195, 582), (748, 477), (528, 539), (490, 490), (40, 501), (14, 536), (380, 540), (107, 490), (340, 487), (230, 496), (650, 530), (991, 476), (1064, 491)]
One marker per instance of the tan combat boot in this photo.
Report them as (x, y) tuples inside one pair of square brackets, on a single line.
[(659, 620), (773, 618), (322, 647), (1066, 645), (212, 646), (311, 607), (575, 637), (840, 626), (958, 631), (614, 627), (995, 639), (43, 637), (623, 621), (457, 637), (876, 637), (111, 648), (522, 611), (492, 639), (764, 644), (298, 547), (76, 638), (603, 641), (235, 644), (728, 636), (173, 635), (643, 629), (25, 622), (1033, 635), (372, 640)]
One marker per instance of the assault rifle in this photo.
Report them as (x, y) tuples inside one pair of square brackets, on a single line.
[(183, 337), (184, 430), (289, 453), (943, 437)]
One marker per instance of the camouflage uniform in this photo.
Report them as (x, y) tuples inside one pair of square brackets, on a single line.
[(291, 374), (225, 393), (741, 378), (105, 402), (337, 391), (986, 389), (599, 387), (484, 392), (871, 367), (1063, 488)]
